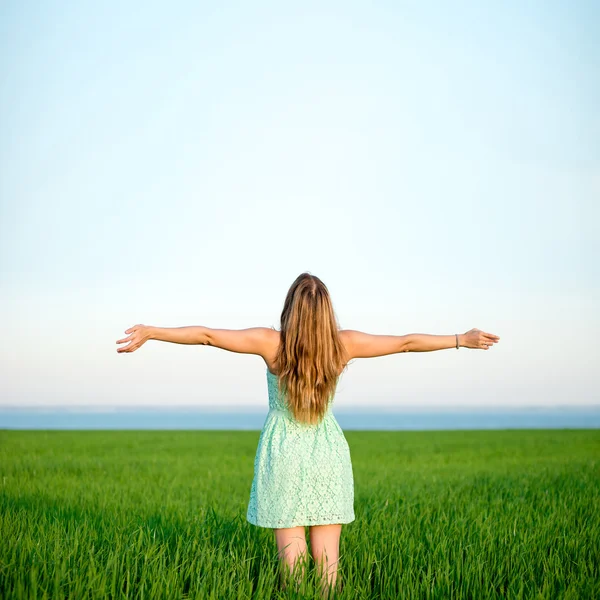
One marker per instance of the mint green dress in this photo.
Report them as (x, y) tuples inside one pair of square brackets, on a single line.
[(302, 472)]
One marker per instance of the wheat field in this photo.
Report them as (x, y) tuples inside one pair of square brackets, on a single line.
[(439, 514)]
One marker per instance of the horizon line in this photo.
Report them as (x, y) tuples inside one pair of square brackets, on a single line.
[(260, 408)]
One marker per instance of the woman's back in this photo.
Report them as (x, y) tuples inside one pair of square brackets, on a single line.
[(277, 399), (302, 472)]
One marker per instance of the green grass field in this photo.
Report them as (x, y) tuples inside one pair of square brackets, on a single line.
[(452, 514)]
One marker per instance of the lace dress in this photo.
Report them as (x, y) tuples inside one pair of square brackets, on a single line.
[(302, 472)]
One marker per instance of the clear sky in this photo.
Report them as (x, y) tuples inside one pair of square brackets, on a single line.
[(436, 164)]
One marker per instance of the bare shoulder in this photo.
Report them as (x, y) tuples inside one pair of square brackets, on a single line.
[(346, 336), (271, 338), (349, 339)]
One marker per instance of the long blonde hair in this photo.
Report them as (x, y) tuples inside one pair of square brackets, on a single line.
[(311, 355)]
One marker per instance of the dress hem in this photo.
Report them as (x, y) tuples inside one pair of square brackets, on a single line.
[(303, 524)]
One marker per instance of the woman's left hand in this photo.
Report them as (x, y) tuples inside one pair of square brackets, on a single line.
[(139, 335)]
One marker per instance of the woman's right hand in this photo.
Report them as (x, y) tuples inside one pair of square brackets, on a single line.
[(475, 338), (138, 335)]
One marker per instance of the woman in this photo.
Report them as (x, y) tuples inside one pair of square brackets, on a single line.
[(302, 470)]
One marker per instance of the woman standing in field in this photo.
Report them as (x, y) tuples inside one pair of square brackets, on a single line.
[(302, 469)]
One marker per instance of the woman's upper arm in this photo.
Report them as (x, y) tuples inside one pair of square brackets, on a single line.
[(255, 340), (366, 345)]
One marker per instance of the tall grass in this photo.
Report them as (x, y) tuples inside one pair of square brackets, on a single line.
[(139, 514)]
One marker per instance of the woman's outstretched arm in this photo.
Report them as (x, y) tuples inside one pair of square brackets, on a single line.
[(365, 345), (254, 340), (476, 339)]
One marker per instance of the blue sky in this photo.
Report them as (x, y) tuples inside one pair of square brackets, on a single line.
[(436, 164)]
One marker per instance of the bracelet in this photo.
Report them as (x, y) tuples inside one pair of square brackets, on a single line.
[(456, 334)]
